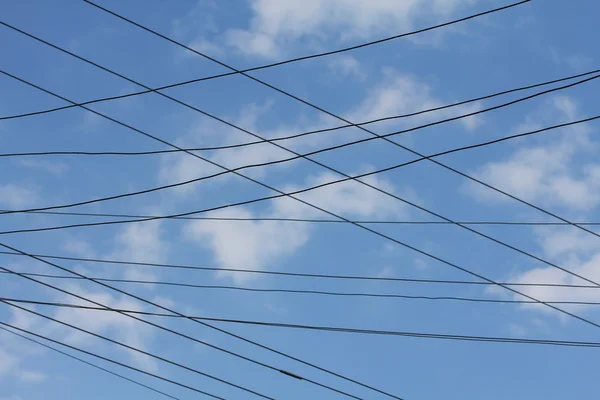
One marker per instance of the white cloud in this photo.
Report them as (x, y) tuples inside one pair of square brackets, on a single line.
[(548, 174), (344, 66), (348, 199), (399, 93), (55, 168), (572, 249), (588, 268), (7, 362), (277, 24), (396, 93), (247, 245), (31, 376), (141, 242), (79, 247), (111, 324), (261, 244), (15, 196)]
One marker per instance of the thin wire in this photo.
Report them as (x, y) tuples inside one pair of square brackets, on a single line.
[(282, 63), (88, 363), (504, 244), (281, 138), (429, 255), (348, 177), (165, 360), (339, 329), (282, 371), (298, 274), (313, 292), (282, 194), (313, 220), (361, 226), (375, 135), (108, 359)]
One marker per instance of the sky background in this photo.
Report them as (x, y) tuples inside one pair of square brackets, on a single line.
[(558, 170)]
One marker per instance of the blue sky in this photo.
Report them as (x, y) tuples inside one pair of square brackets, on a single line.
[(557, 170)]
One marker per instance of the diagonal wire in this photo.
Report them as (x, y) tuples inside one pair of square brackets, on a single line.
[(280, 138), (338, 329), (289, 194), (288, 94), (286, 62), (106, 359), (316, 292), (296, 274), (312, 220), (376, 136), (382, 235), (86, 362), (305, 155), (284, 372)]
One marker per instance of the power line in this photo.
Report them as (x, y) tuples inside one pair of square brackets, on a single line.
[(348, 178), (375, 136), (281, 138), (345, 329), (286, 62), (312, 220), (298, 155), (315, 292), (364, 183), (305, 157), (321, 109), (264, 365), (366, 228), (163, 359), (109, 360), (299, 274), (88, 363)]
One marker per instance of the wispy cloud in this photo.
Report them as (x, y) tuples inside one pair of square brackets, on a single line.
[(552, 173), (16, 196), (261, 244), (55, 168), (276, 25)]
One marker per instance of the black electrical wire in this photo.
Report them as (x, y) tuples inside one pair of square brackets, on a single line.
[(256, 362), (364, 183), (429, 255), (297, 274), (281, 138), (307, 158), (313, 292), (355, 178), (338, 329), (523, 252), (109, 360), (298, 155), (88, 363), (313, 220), (375, 135), (295, 60), (163, 359), (289, 194)]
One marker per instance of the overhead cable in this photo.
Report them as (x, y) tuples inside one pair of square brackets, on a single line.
[(86, 362), (278, 63), (491, 339), (317, 292), (295, 274)]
